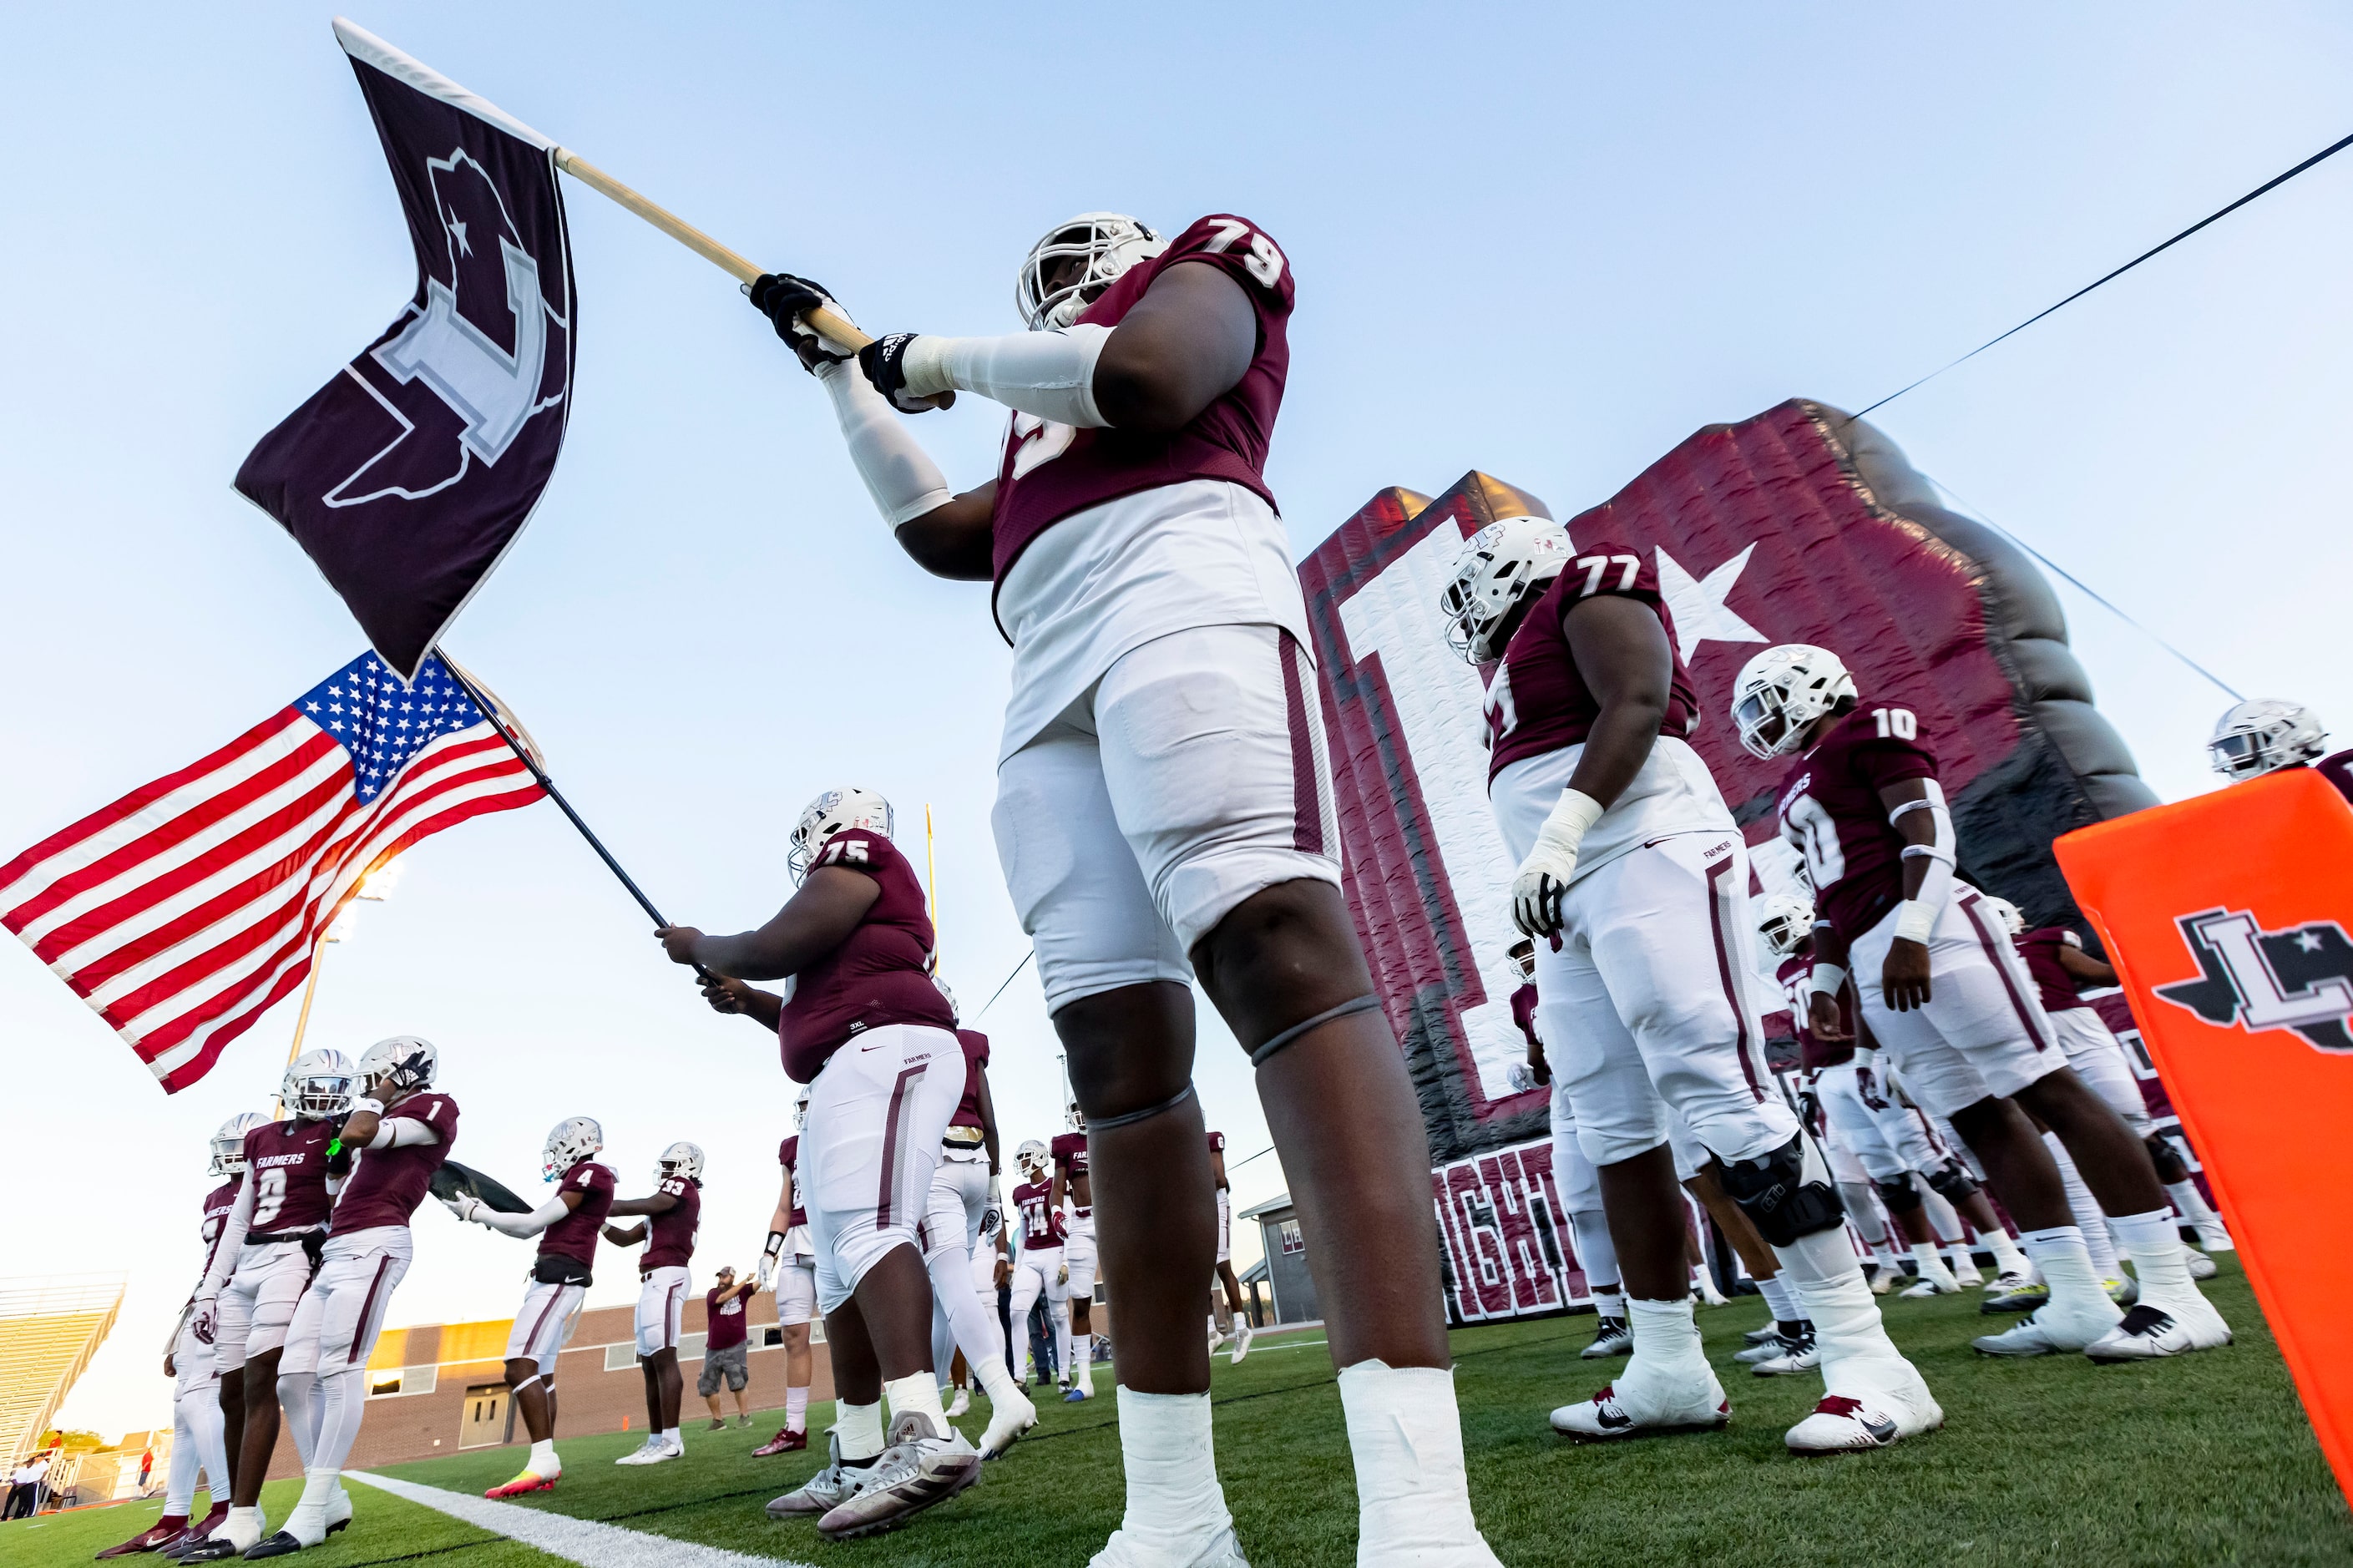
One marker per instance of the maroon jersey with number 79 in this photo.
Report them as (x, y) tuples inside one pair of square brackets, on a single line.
[(1050, 470)]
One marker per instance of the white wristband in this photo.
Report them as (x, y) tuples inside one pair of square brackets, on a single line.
[(1914, 920), (1571, 818), (373, 1107), (1827, 979)]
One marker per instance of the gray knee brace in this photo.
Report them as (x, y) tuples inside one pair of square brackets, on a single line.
[(1104, 1123), (1955, 1186), (1785, 1192), (1896, 1192)]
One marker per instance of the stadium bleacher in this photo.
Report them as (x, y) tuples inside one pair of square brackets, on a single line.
[(50, 1327)]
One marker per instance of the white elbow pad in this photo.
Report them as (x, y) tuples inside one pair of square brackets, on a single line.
[(1049, 374), (898, 473), (401, 1132)]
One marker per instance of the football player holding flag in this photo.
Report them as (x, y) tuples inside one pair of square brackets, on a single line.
[(567, 1225), (261, 1267), (673, 1212), (196, 1428), (399, 1131), (863, 1025), (1165, 808), (1946, 995), (1633, 878)]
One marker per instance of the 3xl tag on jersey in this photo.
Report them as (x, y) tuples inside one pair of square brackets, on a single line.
[(2225, 917)]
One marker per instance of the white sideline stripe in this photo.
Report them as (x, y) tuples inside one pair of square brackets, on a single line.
[(583, 1541)]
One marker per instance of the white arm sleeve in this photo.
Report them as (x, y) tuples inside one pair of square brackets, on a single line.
[(1049, 374), (400, 1132), (231, 1242), (531, 1224), (1916, 916), (899, 474)]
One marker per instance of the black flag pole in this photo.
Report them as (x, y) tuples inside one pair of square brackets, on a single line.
[(496, 714)]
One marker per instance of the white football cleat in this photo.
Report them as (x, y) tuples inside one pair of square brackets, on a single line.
[(2148, 1333), (2003, 1284), (1703, 1290), (1771, 1347), (1940, 1283), (1628, 1409), (2123, 1293), (1883, 1279), (1803, 1356), (962, 1402), (2049, 1331), (2212, 1237), (1008, 1419), (1876, 1405), (1610, 1337), (1242, 1336), (1215, 1550), (652, 1452), (920, 1470), (1966, 1271), (2201, 1265)]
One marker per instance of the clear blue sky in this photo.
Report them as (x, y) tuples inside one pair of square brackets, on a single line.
[(1545, 241)]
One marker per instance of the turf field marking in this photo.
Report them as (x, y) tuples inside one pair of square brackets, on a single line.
[(587, 1542)]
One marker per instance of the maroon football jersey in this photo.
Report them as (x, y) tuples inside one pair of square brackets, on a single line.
[(789, 1152), (1041, 1223), (669, 1236), (1049, 470), (1217, 1143), (1538, 702), (217, 1203), (1830, 808), (286, 1162), (390, 1183), (1070, 1153), (1813, 1052), (2039, 948), (1523, 1014), (880, 973), (975, 1057), (726, 1320), (2337, 769), (575, 1235)]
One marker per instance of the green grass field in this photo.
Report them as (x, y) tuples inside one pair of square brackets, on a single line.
[(2205, 1461)]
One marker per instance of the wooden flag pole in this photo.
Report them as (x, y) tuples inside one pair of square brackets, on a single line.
[(742, 268)]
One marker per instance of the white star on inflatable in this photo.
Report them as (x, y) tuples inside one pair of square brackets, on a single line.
[(1697, 603), (458, 229)]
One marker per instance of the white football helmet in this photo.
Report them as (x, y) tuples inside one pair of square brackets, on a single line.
[(1784, 920), (835, 811), (408, 1060), (1501, 565), (954, 1011), (681, 1159), (229, 1144), (1073, 1118), (318, 1086), (1524, 960), (1034, 1159), (2012, 919), (1110, 243), (1783, 691), (570, 1140), (2263, 736), (800, 1109)]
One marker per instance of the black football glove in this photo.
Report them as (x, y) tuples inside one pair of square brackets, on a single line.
[(785, 299), (884, 363)]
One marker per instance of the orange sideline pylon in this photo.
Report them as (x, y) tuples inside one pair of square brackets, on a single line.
[(2227, 918)]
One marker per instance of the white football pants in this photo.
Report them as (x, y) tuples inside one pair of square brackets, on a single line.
[(322, 1376), (959, 1195), (1983, 1032), (1036, 1273), (878, 1111)]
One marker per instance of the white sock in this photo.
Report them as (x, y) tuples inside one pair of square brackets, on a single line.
[(1931, 1261), (1610, 1303), (1776, 1292), (670, 1439), (1595, 1250), (1172, 1495), (1413, 1497), (916, 1394), (796, 1409), (1082, 1358), (542, 1461), (2195, 1209), (1060, 1313), (1665, 1336), (2007, 1259), (1822, 1271), (298, 1397), (2155, 1247), (2067, 1265), (1942, 1221), (243, 1522), (859, 1428), (2089, 1220)]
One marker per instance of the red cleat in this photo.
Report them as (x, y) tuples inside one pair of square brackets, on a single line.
[(154, 1538), (785, 1441), (529, 1481)]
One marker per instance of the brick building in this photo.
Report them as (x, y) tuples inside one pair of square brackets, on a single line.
[(440, 1387)]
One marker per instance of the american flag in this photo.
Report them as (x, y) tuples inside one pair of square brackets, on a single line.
[(182, 911)]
